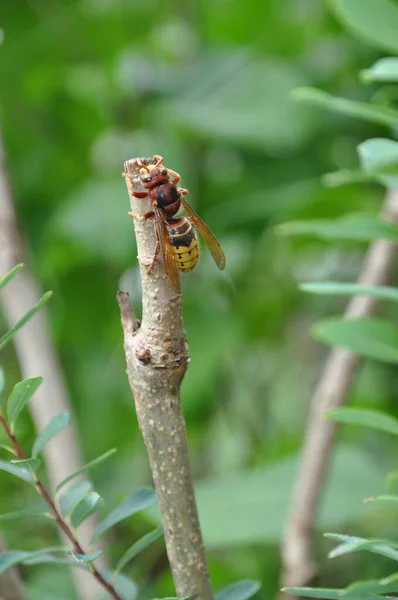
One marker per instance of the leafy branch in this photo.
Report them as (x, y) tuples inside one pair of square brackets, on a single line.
[(51, 504)]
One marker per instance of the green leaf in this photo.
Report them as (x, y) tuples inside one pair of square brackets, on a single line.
[(388, 498), (86, 507), (27, 512), (31, 463), (17, 471), (9, 449), (7, 337), (73, 495), (350, 108), (350, 289), (241, 590), (375, 21), (374, 419), (307, 592), (20, 396), (385, 69), (50, 559), (355, 544), (87, 467), (352, 477), (368, 589), (9, 558), (2, 380), (138, 547), (368, 336), (131, 505), (379, 157), (86, 557), (348, 176), (351, 228), (123, 585), (57, 424), (4, 280)]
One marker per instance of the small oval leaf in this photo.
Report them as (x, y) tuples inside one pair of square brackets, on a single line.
[(20, 396), (131, 505), (361, 110), (242, 590), (374, 419), (375, 21), (388, 498), (122, 584), (27, 512), (7, 337), (369, 336), (4, 280), (350, 228), (17, 471), (31, 463), (385, 69), (138, 547), (73, 495), (350, 289), (86, 507), (90, 465), (355, 544), (321, 593), (57, 424), (9, 558)]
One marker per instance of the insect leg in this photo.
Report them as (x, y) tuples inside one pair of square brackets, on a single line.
[(177, 177), (139, 194), (141, 164), (144, 217), (159, 159), (155, 255)]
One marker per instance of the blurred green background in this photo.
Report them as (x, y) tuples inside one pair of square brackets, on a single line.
[(87, 84)]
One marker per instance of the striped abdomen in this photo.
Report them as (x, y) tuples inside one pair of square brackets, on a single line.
[(185, 243)]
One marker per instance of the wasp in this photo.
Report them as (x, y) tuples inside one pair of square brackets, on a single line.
[(176, 237)]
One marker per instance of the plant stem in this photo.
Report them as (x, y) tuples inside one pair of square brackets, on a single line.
[(157, 358), (61, 522)]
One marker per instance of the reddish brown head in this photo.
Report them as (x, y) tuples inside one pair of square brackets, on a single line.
[(153, 177)]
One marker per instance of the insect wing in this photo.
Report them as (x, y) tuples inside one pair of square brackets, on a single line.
[(214, 247), (167, 252)]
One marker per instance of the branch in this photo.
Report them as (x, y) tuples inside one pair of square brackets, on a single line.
[(69, 534), (334, 385), (157, 358), (37, 356)]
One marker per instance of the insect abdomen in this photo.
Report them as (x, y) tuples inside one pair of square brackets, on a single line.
[(185, 243)]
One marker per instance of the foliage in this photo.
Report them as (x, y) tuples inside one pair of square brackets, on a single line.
[(77, 502), (372, 337), (90, 83)]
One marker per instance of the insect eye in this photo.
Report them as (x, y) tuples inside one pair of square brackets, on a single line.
[(164, 172)]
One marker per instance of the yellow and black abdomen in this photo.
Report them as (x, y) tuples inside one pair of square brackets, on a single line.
[(185, 243)]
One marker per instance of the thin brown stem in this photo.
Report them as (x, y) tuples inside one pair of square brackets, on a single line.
[(299, 567), (36, 354), (50, 503), (157, 358)]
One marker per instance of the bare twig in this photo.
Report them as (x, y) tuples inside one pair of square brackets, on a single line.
[(157, 358), (37, 357), (299, 566), (69, 534)]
